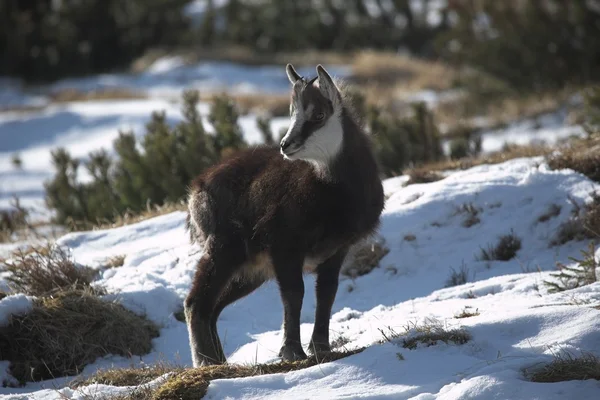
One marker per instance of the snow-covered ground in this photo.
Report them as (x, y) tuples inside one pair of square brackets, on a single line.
[(520, 325)]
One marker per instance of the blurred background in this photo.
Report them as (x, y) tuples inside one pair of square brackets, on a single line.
[(108, 108)]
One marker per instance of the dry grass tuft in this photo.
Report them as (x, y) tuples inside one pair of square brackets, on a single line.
[(470, 213), (381, 70), (43, 270), (552, 212), (13, 222), (422, 175), (71, 95), (274, 105), (508, 153), (459, 277), (364, 257), (193, 383), (506, 249), (133, 376), (585, 160), (583, 224), (566, 368), (132, 218), (428, 334), (467, 313), (115, 261), (65, 332)]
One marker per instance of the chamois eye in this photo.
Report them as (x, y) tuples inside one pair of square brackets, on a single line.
[(320, 116)]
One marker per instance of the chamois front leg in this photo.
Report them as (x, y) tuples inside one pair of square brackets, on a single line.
[(291, 286), (327, 284)]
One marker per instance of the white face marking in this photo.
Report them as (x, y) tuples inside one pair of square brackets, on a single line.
[(322, 145)]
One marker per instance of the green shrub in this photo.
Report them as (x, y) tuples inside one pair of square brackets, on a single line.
[(581, 274), (157, 171), (404, 141), (466, 143), (561, 46), (45, 40)]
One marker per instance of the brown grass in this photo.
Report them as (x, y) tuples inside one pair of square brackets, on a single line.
[(584, 158), (428, 334), (467, 313), (459, 277), (583, 224), (43, 270), (421, 175), (71, 95), (506, 249), (553, 211), (500, 109), (115, 261), (14, 222), (260, 103), (470, 214), (65, 332), (132, 218), (566, 368), (193, 383), (509, 153), (364, 257), (133, 376)]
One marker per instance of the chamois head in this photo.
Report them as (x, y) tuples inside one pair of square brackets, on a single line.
[(315, 133)]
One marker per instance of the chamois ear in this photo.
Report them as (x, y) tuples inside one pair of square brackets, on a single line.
[(293, 76), (327, 85)]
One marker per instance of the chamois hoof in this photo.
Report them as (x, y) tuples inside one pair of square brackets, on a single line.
[(205, 362), (292, 353), (315, 348)]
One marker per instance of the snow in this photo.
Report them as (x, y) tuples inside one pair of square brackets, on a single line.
[(17, 304), (547, 129), (520, 325)]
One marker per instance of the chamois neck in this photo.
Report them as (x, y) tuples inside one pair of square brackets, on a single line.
[(354, 161)]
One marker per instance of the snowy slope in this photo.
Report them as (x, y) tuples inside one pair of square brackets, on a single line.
[(520, 325)]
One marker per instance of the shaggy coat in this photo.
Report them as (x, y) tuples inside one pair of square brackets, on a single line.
[(262, 215)]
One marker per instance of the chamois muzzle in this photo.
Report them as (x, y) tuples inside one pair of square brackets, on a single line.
[(289, 145)]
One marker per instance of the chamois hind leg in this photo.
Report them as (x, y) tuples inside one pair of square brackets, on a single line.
[(288, 272), (237, 289), (327, 285), (214, 271)]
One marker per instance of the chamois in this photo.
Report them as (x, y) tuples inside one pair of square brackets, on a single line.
[(276, 212)]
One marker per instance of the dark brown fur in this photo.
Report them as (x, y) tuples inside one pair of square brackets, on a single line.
[(261, 217)]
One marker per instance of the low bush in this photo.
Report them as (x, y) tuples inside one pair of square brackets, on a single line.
[(136, 180), (583, 224), (69, 330), (45, 270), (506, 249), (566, 368)]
